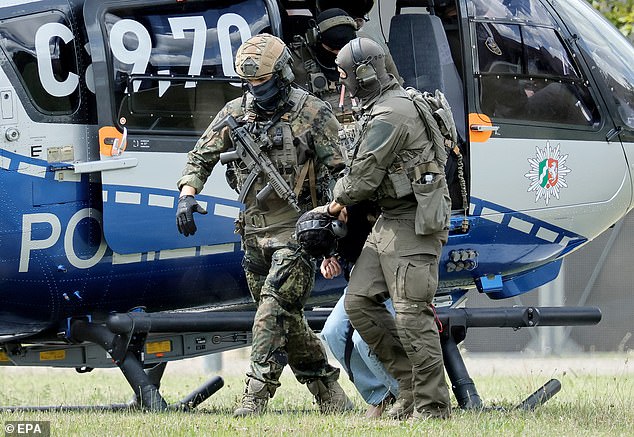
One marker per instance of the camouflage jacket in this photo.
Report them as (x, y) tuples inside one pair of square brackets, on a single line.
[(308, 75), (313, 135), (305, 67)]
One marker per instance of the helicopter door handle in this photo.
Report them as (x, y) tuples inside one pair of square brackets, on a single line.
[(484, 128)]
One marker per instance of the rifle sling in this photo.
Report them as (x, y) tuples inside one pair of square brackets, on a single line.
[(307, 169), (313, 183)]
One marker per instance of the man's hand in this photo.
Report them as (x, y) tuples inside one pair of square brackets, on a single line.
[(330, 267), (343, 215), (337, 210), (185, 210)]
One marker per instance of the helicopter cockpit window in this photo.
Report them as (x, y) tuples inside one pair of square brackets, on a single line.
[(610, 53), (42, 50), (173, 69), (518, 10), (526, 73)]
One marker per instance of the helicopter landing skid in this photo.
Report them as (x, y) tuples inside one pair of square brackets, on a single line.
[(456, 321)]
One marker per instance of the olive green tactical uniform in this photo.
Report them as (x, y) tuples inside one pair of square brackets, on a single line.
[(395, 257), (279, 274)]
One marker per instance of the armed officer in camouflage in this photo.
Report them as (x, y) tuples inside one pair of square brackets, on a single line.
[(397, 163), (314, 61), (298, 134)]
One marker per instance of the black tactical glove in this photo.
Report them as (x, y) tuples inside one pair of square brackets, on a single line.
[(185, 210)]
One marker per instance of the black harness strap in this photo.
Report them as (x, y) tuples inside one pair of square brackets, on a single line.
[(347, 353)]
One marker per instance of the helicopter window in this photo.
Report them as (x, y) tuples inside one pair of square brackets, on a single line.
[(173, 69), (42, 51), (499, 48), (545, 55), (609, 51), (524, 10), (526, 73)]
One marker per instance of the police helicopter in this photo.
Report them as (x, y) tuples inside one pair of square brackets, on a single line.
[(100, 101)]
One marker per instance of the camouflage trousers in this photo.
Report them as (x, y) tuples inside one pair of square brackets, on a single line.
[(281, 334), (396, 260)]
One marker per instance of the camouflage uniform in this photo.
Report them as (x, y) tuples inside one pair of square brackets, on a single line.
[(305, 66), (395, 257), (279, 274)]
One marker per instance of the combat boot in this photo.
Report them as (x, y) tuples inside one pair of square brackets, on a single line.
[(433, 412), (330, 397), (403, 407), (256, 396)]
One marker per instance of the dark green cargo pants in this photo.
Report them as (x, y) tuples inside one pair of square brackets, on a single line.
[(398, 262)]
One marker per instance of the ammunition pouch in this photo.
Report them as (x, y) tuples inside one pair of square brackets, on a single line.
[(401, 177), (255, 267)]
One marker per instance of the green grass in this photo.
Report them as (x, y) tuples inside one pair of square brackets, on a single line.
[(588, 405)]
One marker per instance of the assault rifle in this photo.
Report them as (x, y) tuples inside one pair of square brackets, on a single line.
[(250, 152)]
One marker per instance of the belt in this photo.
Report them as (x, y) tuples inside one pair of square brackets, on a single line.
[(270, 218)]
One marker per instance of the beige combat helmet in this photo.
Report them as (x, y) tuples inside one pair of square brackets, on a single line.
[(261, 56)]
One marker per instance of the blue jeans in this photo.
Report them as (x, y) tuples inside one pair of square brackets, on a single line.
[(364, 368)]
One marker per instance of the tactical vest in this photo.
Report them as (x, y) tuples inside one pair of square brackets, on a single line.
[(410, 166), (281, 146), (421, 172)]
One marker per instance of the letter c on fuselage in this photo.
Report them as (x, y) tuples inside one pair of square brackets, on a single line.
[(50, 83)]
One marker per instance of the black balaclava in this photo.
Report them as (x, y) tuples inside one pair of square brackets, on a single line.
[(267, 96), (326, 61), (337, 36), (334, 37)]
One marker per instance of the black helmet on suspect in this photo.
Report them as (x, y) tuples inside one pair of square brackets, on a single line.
[(265, 57), (318, 232), (363, 62)]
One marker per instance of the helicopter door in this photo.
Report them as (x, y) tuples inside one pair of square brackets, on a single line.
[(165, 69), (537, 128), (610, 55)]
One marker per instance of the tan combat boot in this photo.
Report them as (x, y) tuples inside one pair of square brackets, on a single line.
[(330, 397), (432, 412), (254, 400), (403, 407)]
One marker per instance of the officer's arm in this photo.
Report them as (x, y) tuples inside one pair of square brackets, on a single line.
[(187, 190), (204, 156), (375, 155), (326, 140)]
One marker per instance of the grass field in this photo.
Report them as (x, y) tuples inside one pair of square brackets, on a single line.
[(592, 402)]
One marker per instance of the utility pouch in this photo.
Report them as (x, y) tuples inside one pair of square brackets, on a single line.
[(401, 183), (433, 211)]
